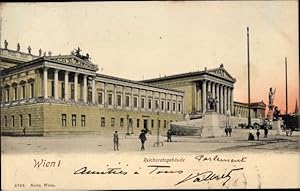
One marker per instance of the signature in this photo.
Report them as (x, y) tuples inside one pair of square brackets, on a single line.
[(207, 176)]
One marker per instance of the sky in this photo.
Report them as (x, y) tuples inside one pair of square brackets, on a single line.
[(142, 40)]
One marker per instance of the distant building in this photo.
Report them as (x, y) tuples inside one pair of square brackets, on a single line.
[(257, 109), (197, 86)]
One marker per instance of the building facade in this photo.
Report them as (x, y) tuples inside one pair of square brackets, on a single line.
[(43, 95), (257, 109), (197, 86)]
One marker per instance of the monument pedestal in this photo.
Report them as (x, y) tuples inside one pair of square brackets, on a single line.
[(277, 127), (211, 127)]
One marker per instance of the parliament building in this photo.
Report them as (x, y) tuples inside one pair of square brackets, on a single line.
[(45, 94)]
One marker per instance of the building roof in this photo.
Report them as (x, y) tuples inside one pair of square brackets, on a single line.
[(219, 72)]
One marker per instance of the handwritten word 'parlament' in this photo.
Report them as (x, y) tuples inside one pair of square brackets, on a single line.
[(216, 158)]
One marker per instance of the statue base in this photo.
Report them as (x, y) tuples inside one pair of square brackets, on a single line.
[(277, 127), (211, 126)]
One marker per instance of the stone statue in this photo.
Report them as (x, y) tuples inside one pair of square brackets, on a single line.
[(40, 52), (5, 44), (271, 96), (18, 47), (211, 102), (29, 49), (77, 51), (49, 53), (45, 54), (276, 113)]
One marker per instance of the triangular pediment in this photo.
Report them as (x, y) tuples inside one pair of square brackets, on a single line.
[(221, 72), (73, 60)]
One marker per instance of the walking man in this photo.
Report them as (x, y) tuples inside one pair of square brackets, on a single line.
[(169, 136), (116, 141), (143, 138), (257, 134), (266, 132), (226, 131), (229, 131)]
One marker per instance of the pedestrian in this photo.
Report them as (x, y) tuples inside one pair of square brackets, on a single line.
[(143, 138), (257, 134), (169, 134), (229, 131), (266, 132), (292, 129), (250, 137), (24, 131), (116, 141), (226, 131)]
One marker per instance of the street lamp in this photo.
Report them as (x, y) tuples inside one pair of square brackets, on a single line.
[(157, 143)]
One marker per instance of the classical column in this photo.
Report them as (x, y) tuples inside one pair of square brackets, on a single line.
[(131, 99), (213, 89), (45, 80), (66, 85), (93, 89), (218, 98), (208, 87), (204, 96), (199, 99), (159, 101), (75, 86), (56, 83), (146, 101), (84, 88), (221, 99), (124, 98), (225, 99), (231, 101), (139, 100)]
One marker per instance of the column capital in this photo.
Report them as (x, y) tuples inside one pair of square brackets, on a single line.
[(56, 70), (76, 74), (67, 72)]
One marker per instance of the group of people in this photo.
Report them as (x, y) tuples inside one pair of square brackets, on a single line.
[(251, 133), (228, 131), (142, 137)]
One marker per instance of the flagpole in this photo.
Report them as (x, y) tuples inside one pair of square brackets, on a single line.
[(248, 55)]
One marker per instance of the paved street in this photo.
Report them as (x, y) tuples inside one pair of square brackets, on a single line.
[(93, 144)]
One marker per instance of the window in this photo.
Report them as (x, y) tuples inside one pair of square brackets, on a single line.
[(121, 122), (29, 120), (156, 104), (72, 91), (21, 120), (179, 107), (82, 120), (73, 120), (138, 123), (168, 106), (174, 106), (135, 101), (119, 100), (13, 120), (23, 92), (100, 98), (112, 122), (165, 123), (127, 101), (162, 105), (143, 103), (16, 93), (31, 90), (102, 121), (7, 94), (110, 100), (149, 103), (152, 123), (158, 123), (5, 121), (63, 120), (52, 88)]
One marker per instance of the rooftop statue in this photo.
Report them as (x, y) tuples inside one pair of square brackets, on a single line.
[(77, 53), (18, 47), (5, 44)]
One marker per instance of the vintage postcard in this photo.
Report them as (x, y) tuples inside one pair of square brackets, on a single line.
[(149, 95)]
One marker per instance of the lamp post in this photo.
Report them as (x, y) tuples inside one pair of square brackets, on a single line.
[(157, 143)]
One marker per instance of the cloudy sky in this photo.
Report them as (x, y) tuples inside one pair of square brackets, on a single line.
[(141, 40)]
